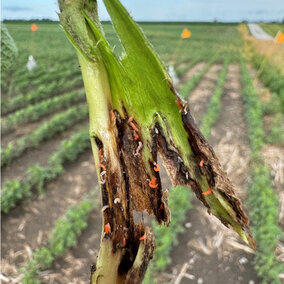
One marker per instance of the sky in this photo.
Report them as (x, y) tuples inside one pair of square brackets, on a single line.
[(160, 10)]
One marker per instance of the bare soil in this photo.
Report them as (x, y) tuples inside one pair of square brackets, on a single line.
[(192, 71), (199, 97), (39, 155), (26, 227)]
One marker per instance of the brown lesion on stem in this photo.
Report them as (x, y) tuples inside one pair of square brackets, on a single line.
[(133, 187), (177, 171), (124, 190), (210, 166)]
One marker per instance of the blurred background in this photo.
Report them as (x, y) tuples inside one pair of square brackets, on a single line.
[(226, 58)]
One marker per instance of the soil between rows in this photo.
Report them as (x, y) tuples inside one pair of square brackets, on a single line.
[(39, 155), (27, 227)]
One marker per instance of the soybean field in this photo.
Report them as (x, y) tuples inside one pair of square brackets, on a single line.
[(50, 201)]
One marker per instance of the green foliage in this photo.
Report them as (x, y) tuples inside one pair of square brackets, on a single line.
[(262, 200), (272, 106), (12, 191), (214, 107), (166, 237), (253, 113), (271, 76), (165, 38), (272, 29), (64, 235), (36, 176), (9, 49), (59, 70), (44, 91), (276, 130), (34, 112), (49, 129)]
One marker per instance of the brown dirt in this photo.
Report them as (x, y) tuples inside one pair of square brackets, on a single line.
[(27, 226), (199, 97), (192, 71), (38, 155), (214, 253), (229, 136)]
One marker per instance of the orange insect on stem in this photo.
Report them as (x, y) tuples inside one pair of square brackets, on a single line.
[(142, 238), (107, 229), (123, 242), (101, 166), (130, 119), (178, 103), (134, 127), (201, 163), (156, 168), (207, 192), (101, 153), (135, 135), (153, 183)]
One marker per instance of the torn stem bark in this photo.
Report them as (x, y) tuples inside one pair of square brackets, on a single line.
[(135, 114)]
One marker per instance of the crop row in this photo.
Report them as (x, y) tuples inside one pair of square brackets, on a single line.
[(34, 112), (187, 66), (271, 76), (272, 107), (56, 125), (21, 74), (262, 199), (47, 77), (189, 86), (43, 92), (64, 235), (36, 176), (214, 107)]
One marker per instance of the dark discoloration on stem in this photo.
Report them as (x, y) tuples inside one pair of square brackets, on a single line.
[(135, 194), (216, 176), (177, 171)]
